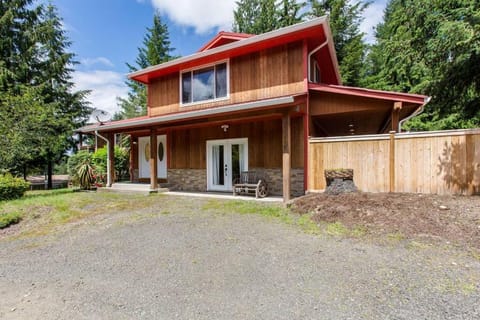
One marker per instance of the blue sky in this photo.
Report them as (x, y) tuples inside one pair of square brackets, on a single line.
[(107, 33)]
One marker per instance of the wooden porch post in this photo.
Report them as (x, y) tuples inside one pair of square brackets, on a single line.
[(111, 159), (286, 164), (153, 160), (392, 162), (80, 141), (131, 159), (397, 106)]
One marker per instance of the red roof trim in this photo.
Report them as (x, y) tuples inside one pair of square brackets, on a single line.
[(369, 93), (222, 35), (313, 29)]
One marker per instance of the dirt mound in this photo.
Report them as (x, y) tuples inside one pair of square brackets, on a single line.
[(451, 218)]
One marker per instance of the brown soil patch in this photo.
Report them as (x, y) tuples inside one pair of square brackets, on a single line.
[(449, 218)]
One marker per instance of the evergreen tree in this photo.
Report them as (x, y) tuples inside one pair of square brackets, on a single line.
[(156, 49), (290, 12), (345, 19), (255, 16), (260, 16), (431, 47), (39, 110)]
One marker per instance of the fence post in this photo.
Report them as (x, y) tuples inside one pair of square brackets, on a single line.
[(392, 161)]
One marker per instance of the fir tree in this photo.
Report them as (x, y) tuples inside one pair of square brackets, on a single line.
[(432, 48), (290, 12), (345, 18), (156, 49), (255, 16), (39, 110)]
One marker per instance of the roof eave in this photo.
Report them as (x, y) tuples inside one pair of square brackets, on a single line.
[(231, 46), (369, 93), (190, 115)]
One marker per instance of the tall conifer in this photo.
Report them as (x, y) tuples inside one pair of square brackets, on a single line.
[(156, 49)]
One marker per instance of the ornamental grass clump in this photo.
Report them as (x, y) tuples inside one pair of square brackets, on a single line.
[(11, 187), (85, 176)]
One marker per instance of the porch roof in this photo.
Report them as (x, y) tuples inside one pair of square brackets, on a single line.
[(187, 115), (370, 93), (340, 110)]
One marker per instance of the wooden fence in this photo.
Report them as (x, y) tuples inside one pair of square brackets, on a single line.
[(440, 162)]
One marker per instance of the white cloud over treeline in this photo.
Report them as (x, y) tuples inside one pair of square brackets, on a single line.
[(207, 15), (105, 87)]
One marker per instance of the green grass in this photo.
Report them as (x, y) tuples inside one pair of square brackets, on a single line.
[(337, 229), (308, 225), (249, 207), (7, 219), (44, 210)]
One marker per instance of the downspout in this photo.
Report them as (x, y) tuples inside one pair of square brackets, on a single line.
[(109, 178), (307, 122), (414, 114)]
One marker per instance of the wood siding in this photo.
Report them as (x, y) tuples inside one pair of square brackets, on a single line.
[(187, 148), (266, 74), (328, 103), (440, 163)]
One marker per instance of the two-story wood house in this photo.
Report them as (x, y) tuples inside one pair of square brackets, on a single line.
[(249, 102)]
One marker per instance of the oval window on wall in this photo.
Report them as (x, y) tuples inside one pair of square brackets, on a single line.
[(161, 151), (147, 152)]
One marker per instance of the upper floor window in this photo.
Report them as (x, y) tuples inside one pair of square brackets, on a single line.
[(208, 83)]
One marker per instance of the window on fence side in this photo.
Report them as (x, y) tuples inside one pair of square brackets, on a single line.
[(204, 84)]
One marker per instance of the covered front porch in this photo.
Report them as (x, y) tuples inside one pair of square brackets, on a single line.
[(206, 150)]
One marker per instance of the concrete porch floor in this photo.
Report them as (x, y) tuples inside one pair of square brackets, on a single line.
[(145, 188)]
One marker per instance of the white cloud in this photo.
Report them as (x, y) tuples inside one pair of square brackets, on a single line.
[(203, 15), (373, 15), (105, 87), (98, 60)]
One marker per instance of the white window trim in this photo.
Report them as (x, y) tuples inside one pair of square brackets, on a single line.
[(182, 104)]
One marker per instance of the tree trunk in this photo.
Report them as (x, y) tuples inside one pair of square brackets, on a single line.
[(49, 174)]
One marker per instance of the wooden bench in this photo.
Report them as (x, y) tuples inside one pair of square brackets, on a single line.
[(250, 182)]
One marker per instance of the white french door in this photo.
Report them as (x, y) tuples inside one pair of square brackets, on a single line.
[(226, 159)]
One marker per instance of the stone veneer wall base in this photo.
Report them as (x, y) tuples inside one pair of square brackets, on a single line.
[(187, 179), (196, 180)]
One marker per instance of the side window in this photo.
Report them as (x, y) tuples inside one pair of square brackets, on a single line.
[(317, 75)]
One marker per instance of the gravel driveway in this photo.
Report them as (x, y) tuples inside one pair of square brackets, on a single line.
[(180, 260)]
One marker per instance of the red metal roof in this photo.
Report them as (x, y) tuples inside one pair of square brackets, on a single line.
[(223, 38), (263, 104), (369, 93), (315, 31)]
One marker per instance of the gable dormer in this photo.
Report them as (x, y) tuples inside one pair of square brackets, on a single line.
[(223, 38)]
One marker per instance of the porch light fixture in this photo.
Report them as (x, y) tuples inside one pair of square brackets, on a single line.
[(225, 127)]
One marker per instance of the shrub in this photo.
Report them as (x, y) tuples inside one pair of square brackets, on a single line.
[(11, 187), (98, 162), (122, 162), (7, 219), (76, 160)]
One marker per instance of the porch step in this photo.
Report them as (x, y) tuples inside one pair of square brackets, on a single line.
[(132, 187)]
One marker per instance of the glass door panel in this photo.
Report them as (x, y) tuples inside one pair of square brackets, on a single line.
[(226, 160)]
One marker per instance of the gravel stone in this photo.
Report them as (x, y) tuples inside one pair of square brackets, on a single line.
[(198, 263)]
